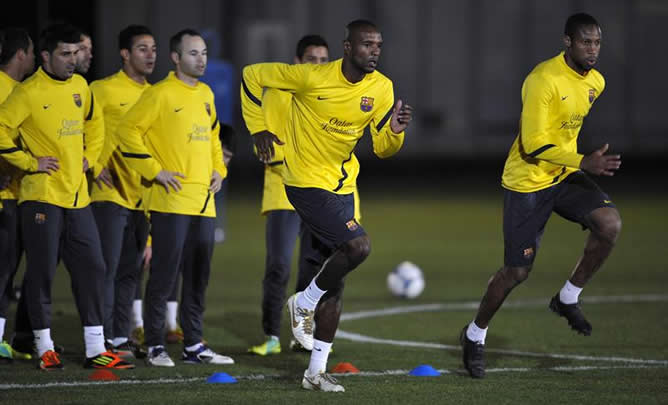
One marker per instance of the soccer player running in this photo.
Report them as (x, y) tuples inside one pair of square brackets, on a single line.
[(52, 110), (117, 193), (283, 223), (170, 136), (331, 106), (17, 60), (544, 173)]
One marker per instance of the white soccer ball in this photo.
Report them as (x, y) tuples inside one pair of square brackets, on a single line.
[(406, 280)]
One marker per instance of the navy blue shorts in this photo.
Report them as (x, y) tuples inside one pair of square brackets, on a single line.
[(525, 214), (330, 216)]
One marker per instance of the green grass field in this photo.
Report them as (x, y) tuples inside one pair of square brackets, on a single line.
[(457, 241)]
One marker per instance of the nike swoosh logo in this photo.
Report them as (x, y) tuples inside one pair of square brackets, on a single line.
[(178, 109), (316, 385), (564, 98), (46, 106), (317, 349), (321, 98), (124, 104), (607, 202)]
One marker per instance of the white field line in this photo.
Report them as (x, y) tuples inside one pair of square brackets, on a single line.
[(457, 306), (494, 370), (473, 305), (355, 337), (64, 384), (255, 377)]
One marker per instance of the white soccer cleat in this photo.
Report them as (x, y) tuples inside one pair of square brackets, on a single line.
[(158, 357), (321, 382), (301, 322), (204, 355)]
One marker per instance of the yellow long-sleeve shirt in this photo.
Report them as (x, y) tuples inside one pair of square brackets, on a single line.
[(52, 116), (555, 101), (276, 106), (328, 115), (173, 126), (7, 84), (114, 96)]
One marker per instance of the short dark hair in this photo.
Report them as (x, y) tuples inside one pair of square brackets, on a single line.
[(13, 39), (357, 25), (310, 40), (127, 36), (175, 40), (52, 35), (576, 21)]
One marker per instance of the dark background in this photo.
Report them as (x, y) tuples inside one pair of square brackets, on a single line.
[(460, 63)]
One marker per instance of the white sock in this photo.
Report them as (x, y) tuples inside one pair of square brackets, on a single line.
[(272, 337), (172, 308), (310, 296), (475, 333), (94, 340), (43, 342), (119, 341), (570, 293), (194, 347), (2, 328), (319, 355), (136, 314)]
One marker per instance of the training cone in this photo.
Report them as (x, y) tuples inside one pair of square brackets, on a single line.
[(343, 368), (221, 378), (424, 370), (103, 375)]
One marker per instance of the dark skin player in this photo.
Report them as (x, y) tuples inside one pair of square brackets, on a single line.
[(361, 53), (581, 55)]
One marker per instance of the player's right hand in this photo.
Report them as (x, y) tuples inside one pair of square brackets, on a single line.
[(104, 178), (169, 179), (47, 164), (600, 164), (5, 180), (146, 258), (264, 144)]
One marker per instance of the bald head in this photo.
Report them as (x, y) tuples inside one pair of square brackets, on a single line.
[(354, 28)]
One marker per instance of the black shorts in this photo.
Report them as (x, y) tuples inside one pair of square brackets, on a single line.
[(330, 216), (525, 214)]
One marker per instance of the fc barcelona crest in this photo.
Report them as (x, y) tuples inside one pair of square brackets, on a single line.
[(77, 99), (40, 218), (207, 106), (592, 95), (366, 104)]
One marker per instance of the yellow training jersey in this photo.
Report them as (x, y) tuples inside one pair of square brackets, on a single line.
[(114, 96), (7, 84), (173, 126), (52, 116), (276, 106), (328, 115), (555, 101)]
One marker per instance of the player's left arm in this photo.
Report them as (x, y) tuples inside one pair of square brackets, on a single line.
[(219, 168), (93, 132), (388, 130)]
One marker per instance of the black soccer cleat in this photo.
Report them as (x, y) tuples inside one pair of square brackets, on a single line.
[(473, 354), (573, 315)]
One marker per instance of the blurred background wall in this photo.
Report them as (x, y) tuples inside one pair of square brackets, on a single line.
[(460, 63)]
